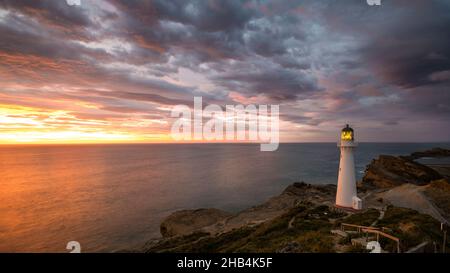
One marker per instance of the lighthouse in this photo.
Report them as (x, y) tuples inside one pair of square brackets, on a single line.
[(346, 187)]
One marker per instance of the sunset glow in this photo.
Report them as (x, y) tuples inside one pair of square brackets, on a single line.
[(19, 124), (111, 71)]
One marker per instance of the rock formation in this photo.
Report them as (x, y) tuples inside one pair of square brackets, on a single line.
[(216, 221), (435, 152), (389, 171), (187, 221)]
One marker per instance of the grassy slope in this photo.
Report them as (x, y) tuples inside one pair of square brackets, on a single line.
[(302, 229), (411, 227), (439, 193), (306, 229)]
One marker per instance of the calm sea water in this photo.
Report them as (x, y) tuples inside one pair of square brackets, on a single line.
[(112, 197)]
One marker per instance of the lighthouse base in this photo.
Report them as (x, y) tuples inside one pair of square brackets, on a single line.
[(349, 209), (356, 204)]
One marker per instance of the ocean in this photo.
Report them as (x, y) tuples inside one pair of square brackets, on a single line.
[(113, 197)]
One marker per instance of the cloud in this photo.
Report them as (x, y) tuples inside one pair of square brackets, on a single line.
[(324, 62), (277, 84), (415, 52), (208, 16)]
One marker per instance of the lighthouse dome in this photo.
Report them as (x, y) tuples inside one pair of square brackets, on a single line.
[(347, 133)]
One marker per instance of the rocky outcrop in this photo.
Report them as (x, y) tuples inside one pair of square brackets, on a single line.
[(308, 228), (435, 152), (390, 171), (187, 221), (215, 221), (276, 206)]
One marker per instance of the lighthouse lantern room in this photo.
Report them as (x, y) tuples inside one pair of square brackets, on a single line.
[(346, 195)]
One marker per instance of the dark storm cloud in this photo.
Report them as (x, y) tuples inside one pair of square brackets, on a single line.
[(278, 84), (142, 97), (58, 16), (386, 65), (301, 119), (209, 16), (195, 31), (28, 47), (412, 53), (405, 42), (56, 13), (206, 30), (22, 36)]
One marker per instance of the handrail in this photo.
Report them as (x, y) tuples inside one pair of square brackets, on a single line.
[(358, 227), (382, 234), (393, 238), (373, 230)]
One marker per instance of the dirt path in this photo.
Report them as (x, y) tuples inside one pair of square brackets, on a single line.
[(291, 223), (382, 210), (411, 196)]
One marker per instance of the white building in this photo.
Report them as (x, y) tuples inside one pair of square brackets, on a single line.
[(346, 188)]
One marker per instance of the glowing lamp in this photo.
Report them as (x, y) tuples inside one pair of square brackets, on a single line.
[(347, 133)]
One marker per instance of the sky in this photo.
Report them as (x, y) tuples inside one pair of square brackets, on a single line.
[(111, 71)]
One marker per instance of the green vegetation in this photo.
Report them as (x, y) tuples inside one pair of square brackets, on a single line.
[(356, 249), (365, 218), (299, 230), (411, 227), (314, 242), (348, 240), (306, 228), (175, 242), (438, 192)]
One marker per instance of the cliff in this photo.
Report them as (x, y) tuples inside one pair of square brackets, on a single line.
[(309, 228), (215, 221), (400, 196), (435, 152), (188, 221), (390, 171)]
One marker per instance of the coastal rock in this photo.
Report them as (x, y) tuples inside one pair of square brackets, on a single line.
[(292, 196), (435, 152), (307, 228), (389, 171), (187, 221), (215, 221)]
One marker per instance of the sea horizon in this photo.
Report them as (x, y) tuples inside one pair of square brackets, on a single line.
[(207, 143)]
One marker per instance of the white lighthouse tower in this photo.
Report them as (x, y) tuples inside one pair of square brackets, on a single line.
[(346, 188)]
